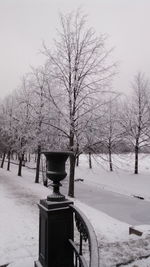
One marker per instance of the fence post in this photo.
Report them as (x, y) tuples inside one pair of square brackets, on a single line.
[(56, 218)]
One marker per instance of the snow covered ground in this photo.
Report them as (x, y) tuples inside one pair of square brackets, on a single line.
[(19, 213), (122, 180)]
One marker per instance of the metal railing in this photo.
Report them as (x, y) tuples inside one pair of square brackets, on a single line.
[(87, 236)]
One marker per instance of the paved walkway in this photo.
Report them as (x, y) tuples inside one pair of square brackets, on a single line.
[(124, 208)]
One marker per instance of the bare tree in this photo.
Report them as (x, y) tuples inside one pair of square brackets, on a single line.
[(81, 71), (7, 127), (41, 113), (36, 83), (136, 116), (111, 131), (22, 125)]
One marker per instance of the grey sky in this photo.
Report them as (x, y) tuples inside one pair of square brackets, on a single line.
[(24, 24)]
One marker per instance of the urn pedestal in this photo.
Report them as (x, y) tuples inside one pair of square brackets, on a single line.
[(56, 218)]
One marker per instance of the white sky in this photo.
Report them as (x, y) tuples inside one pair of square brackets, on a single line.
[(24, 24)]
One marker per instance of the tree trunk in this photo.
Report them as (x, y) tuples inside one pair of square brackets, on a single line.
[(72, 166), (90, 161), (110, 159), (29, 157), (45, 181), (21, 158), (16, 156), (3, 160), (38, 164), (77, 157), (77, 160), (8, 164), (72, 174), (136, 158)]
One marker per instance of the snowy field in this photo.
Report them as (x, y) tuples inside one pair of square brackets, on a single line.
[(19, 213)]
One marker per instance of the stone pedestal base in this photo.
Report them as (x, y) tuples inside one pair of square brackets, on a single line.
[(55, 228)]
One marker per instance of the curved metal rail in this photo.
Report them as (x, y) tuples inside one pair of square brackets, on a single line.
[(86, 233)]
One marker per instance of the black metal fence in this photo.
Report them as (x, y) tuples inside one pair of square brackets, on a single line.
[(86, 252)]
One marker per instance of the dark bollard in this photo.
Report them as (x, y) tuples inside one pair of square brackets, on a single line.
[(56, 218)]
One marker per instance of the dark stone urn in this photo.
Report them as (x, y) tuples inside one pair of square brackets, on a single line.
[(55, 171), (56, 218)]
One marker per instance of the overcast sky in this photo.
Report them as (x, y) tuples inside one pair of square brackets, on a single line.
[(24, 24)]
